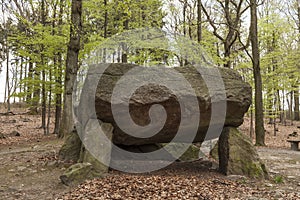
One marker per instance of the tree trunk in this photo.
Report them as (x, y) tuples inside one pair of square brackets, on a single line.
[(296, 103), (296, 91), (199, 21), (44, 97), (259, 116), (7, 77), (124, 46), (29, 85), (21, 89), (58, 81), (251, 123), (36, 91), (291, 107), (105, 28), (72, 66)]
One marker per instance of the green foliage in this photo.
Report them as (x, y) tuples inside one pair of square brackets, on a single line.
[(278, 179), (135, 13)]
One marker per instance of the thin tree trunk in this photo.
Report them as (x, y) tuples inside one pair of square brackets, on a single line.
[(36, 91), (184, 16), (29, 85), (251, 123), (44, 97), (259, 115), (291, 107), (199, 21), (124, 46), (279, 107), (296, 91), (49, 104), (105, 28), (72, 66), (7, 77), (296, 104), (21, 77), (58, 78)]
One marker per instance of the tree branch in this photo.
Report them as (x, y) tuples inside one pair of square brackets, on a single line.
[(212, 24)]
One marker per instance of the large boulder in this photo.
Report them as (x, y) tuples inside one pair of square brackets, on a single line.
[(238, 99), (237, 155)]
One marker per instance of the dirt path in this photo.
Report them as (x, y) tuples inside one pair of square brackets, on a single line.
[(29, 168), (30, 171), (283, 165)]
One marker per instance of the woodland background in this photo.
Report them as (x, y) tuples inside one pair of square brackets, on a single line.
[(43, 44)]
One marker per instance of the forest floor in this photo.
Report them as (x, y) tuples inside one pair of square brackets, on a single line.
[(30, 170)]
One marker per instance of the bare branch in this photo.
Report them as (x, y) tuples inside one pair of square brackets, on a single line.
[(212, 24)]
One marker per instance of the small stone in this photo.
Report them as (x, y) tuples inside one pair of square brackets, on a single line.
[(26, 120), (2, 136), (11, 170), (236, 177), (273, 172), (52, 164), (21, 168), (269, 185), (278, 194), (15, 134), (291, 177)]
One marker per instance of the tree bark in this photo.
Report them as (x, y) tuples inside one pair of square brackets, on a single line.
[(44, 97), (259, 116), (296, 103), (72, 66), (199, 21), (296, 91), (58, 77)]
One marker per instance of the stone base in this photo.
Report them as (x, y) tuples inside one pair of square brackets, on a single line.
[(237, 155)]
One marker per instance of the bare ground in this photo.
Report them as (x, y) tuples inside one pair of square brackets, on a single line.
[(30, 170)]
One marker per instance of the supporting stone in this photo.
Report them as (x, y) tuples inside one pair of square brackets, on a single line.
[(237, 155), (70, 150), (223, 151), (94, 156)]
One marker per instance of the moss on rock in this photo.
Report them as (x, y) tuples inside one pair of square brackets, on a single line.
[(243, 157), (78, 173)]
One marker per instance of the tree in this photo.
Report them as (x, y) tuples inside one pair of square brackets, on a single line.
[(199, 21), (259, 115), (297, 87), (227, 29), (72, 66)]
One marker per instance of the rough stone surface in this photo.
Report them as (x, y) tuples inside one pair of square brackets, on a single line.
[(78, 173), (192, 153), (242, 158), (70, 150), (95, 149), (237, 91)]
